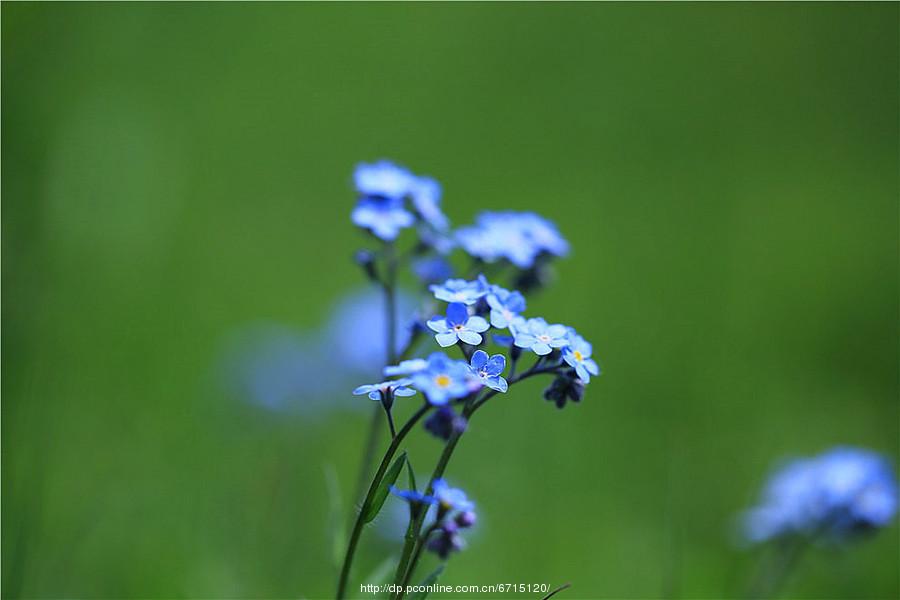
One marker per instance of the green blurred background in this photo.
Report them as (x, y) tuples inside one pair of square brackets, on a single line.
[(726, 174)]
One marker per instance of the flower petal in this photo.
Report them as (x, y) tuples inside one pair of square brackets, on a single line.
[(470, 337), (541, 349), (477, 324), (446, 339), (496, 364), (479, 359), (457, 314), (437, 324)]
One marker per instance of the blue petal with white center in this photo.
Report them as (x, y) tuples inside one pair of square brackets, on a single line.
[(458, 325), (488, 370), (459, 290), (539, 337)]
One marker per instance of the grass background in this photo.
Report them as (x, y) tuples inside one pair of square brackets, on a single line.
[(726, 174)]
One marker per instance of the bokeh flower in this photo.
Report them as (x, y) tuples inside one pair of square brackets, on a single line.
[(505, 306), (443, 380), (841, 492), (384, 217), (459, 290), (517, 237)]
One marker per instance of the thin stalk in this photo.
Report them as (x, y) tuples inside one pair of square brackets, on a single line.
[(388, 285), (373, 487)]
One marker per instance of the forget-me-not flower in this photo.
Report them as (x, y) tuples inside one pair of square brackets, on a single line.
[(539, 337), (458, 325), (384, 217), (378, 391), (578, 356), (426, 198), (459, 290), (517, 237), (505, 306), (432, 269), (382, 179), (488, 369), (406, 367), (838, 493), (443, 380)]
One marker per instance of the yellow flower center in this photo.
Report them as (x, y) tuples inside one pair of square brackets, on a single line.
[(578, 356), (442, 380)]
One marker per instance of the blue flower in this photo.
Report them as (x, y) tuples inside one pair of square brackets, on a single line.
[(406, 367), (578, 355), (413, 496), (488, 369), (382, 179), (451, 499), (377, 391), (505, 306), (517, 237), (384, 217), (458, 325), (459, 290), (432, 269), (843, 491), (444, 422), (444, 379), (537, 336), (426, 198)]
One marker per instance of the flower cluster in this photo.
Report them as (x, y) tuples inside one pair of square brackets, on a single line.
[(836, 494), (454, 512), (385, 189), (520, 238), (467, 314)]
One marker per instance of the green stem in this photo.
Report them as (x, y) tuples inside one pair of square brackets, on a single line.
[(373, 487)]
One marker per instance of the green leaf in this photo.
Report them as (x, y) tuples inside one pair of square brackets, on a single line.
[(381, 493), (430, 580), (411, 476)]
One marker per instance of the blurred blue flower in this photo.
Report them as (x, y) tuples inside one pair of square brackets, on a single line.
[(459, 290), (384, 217), (406, 367), (444, 379), (517, 237), (356, 331), (426, 198), (539, 337), (578, 355), (841, 492), (458, 325), (377, 391), (505, 306), (444, 422), (432, 269), (488, 369), (450, 498), (382, 179)]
